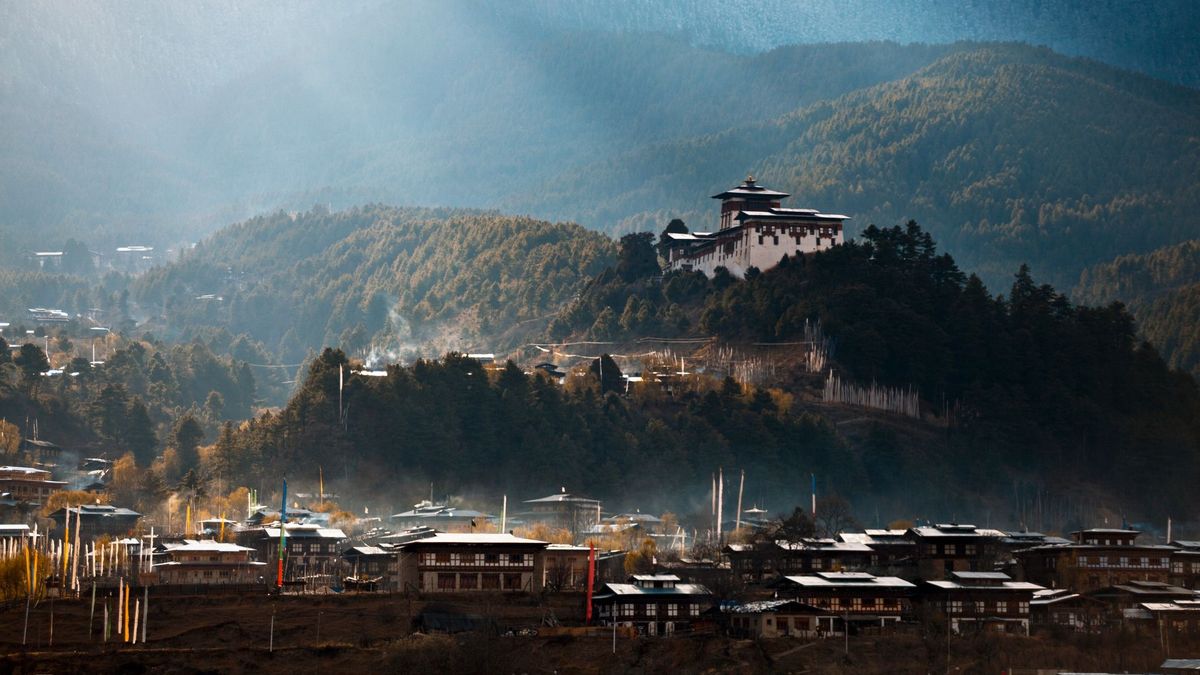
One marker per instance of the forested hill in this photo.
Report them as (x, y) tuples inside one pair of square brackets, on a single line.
[(379, 281), (1007, 153), (1044, 395), (1162, 289)]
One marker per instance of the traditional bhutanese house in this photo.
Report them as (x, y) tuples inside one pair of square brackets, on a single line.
[(209, 563), (27, 484), (472, 563), (1011, 542), (266, 515), (440, 517), (14, 530), (212, 527), (949, 547), (572, 513), (1181, 616), (774, 619), (1060, 608), (980, 601), (311, 549), (41, 450), (863, 599), (759, 560), (1185, 564), (892, 548), (1098, 558), (565, 567), (374, 565), (1124, 600), (97, 519), (754, 232), (656, 604)]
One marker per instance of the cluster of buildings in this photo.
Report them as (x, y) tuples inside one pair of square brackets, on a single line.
[(877, 580), (974, 578)]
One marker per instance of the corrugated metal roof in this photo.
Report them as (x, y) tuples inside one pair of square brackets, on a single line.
[(848, 580)]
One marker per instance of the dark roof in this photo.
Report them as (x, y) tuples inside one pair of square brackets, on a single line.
[(789, 215), (750, 189)]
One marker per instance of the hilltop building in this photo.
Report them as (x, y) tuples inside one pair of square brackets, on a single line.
[(755, 232), (1098, 558)]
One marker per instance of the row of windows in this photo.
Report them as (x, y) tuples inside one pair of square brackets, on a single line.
[(1122, 561), (470, 582), (1180, 567), (985, 607), (950, 549), (300, 547), (670, 609), (857, 603), (478, 559)]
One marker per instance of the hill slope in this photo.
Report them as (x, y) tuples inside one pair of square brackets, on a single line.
[(1008, 154), (1162, 289), (378, 280)]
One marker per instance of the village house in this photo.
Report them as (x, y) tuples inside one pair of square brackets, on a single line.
[(862, 599), (754, 232), (952, 547), (97, 519), (311, 549), (572, 513), (375, 565), (775, 619), (981, 601), (209, 563), (27, 484), (892, 548), (1097, 558), (1185, 564), (1125, 600), (440, 517), (655, 604), (1060, 608), (565, 567), (472, 563)]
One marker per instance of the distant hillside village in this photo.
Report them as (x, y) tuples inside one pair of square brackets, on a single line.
[(645, 575)]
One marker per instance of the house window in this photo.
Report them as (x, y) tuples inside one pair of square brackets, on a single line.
[(1145, 561), (491, 558), (445, 582), (427, 558), (651, 609), (694, 609), (443, 558), (455, 559), (980, 607), (512, 582), (954, 607), (489, 582), (626, 609), (969, 549), (1023, 607), (672, 609), (515, 559)]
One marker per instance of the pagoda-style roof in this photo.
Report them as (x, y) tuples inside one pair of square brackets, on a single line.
[(750, 189)]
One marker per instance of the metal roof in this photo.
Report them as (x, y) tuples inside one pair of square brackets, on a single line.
[(750, 189), (1004, 585), (490, 539), (633, 589), (848, 580), (204, 546)]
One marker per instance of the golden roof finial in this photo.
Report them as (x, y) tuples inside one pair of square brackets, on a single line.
[(750, 178)]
